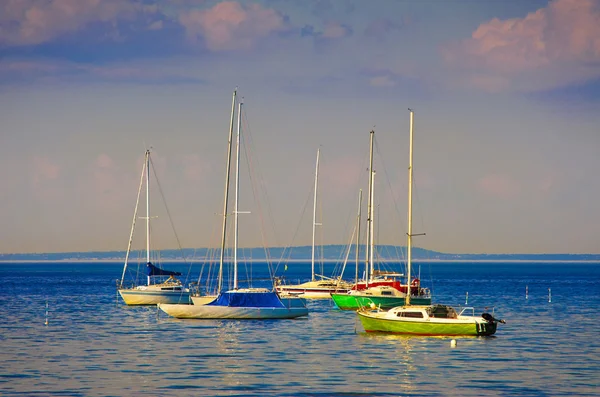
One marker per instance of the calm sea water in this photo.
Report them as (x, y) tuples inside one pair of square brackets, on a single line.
[(94, 345)]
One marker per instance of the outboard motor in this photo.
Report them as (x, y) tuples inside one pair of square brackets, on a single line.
[(490, 319)]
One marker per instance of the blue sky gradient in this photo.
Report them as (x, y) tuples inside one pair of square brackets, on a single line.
[(507, 114)]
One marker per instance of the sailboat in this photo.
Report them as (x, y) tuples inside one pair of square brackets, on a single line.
[(169, 290), (382, 289), (315, 289), (240, 303), (428, 320), (197, 298)]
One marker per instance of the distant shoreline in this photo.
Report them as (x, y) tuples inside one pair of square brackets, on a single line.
[(297, 261)]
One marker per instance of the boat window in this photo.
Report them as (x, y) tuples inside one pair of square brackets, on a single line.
[(386, 293), (411, 314)]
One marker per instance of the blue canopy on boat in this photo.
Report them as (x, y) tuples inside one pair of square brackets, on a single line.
[(247, 299), (157, 271)]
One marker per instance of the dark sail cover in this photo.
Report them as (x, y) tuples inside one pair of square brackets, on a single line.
[(157, 271), (247, 299)]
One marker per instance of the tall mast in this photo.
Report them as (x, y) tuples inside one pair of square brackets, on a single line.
[(372, 242), (223, 235), (148, 209), (237, 195), (315, 216), (137, 203), (410, 177), (369, 269), (358, 232)]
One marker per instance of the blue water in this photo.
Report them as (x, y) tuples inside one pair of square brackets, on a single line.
[(94, 345)]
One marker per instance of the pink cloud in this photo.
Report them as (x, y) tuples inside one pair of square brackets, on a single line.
[(28, 22), (558, 44), (44, 170), (230, 26), (104, 161), (498, 185), (335, 30), (194, 168)]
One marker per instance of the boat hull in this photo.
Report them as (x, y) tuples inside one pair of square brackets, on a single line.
[(355, 302), (136, 297), (308, 293), (209, 312), (374, 322), (313, 289), (243, 304)]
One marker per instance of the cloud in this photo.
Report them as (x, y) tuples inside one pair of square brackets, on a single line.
[(554, 46), (45, 178), (499, 185), (44, 170), (230, 26), (335, 30), (194, 168), (31, 22)]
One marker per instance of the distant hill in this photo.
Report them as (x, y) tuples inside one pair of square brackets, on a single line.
[(327, 252)]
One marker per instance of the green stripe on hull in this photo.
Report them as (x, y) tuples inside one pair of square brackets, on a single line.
[(353, 302), (426, 328)]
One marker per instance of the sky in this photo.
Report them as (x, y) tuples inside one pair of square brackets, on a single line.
[(506, 100)]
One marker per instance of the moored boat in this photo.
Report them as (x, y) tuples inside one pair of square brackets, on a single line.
[(238, 303), (431, 320), (169, 290)]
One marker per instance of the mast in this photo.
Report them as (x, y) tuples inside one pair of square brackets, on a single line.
[(369, 270), (223, 235), (237, 195), (137, 203), (315, 217), (148, 209), (358, 232), (372, 242), (410, 177)]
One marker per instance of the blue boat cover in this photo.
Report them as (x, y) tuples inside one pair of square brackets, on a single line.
[(247, 299), (157, 271)]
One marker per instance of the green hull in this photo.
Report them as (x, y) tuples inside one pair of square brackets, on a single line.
[(426, 328), (354, 302)]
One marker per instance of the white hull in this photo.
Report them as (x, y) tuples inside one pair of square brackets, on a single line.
[(314, 289), (294, 308), (149, 297), (301, 293)]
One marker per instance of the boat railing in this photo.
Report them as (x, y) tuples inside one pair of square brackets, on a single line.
[(472, 309)]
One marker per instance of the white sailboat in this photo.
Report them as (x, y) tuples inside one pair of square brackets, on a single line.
[(240, 303), (170, 290), (197, 298), (315, 288), (429, 320)]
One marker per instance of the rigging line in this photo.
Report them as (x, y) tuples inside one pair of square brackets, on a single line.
[(288, 247), (261, 179), (248, 149), (167, 208), (394, 201)]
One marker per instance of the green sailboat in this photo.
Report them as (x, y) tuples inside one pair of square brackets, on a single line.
[(380, 289), (428, 320)]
